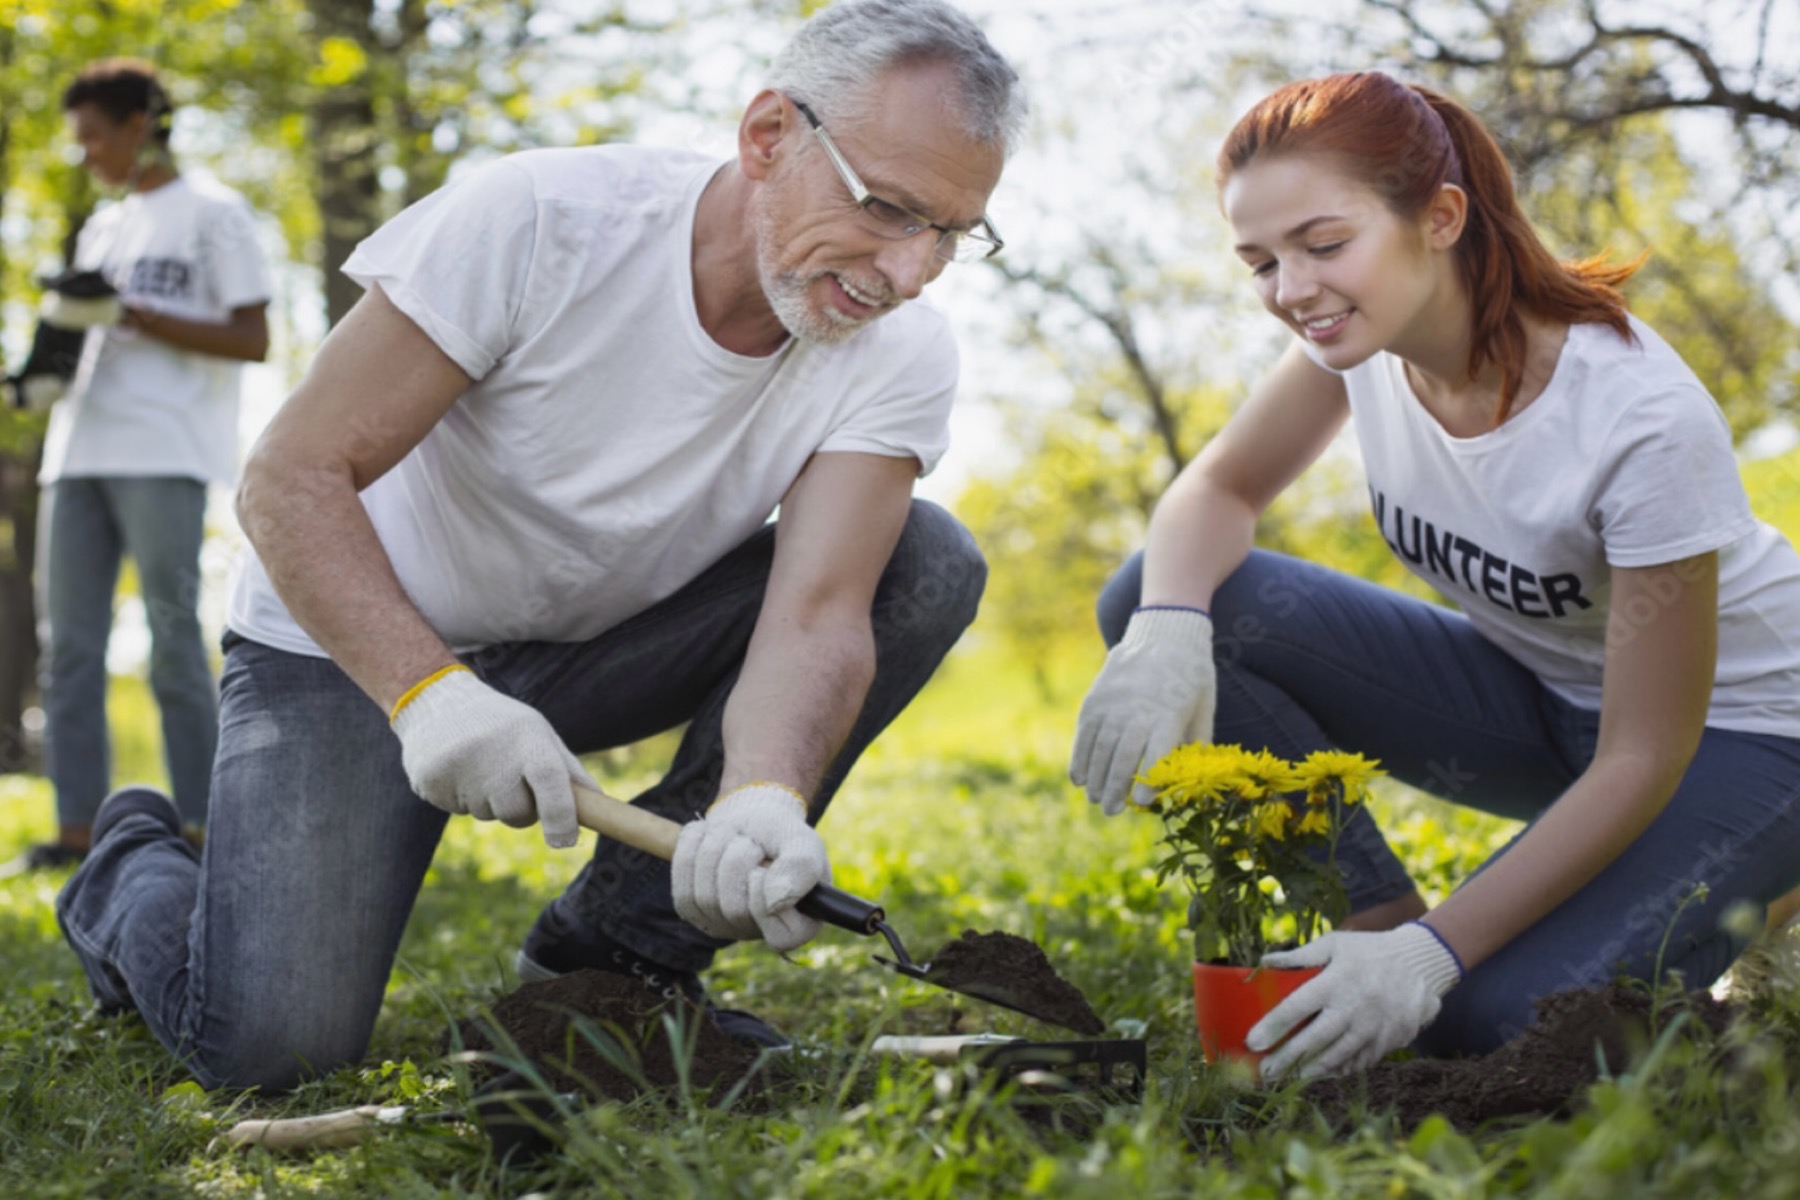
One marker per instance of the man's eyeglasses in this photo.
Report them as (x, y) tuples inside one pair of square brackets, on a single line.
[(889, 220)]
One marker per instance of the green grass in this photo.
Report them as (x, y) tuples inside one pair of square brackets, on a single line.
[(960, 817)]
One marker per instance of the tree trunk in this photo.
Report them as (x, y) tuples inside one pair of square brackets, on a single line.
[(18, 522), (345, 141), (18, 615)]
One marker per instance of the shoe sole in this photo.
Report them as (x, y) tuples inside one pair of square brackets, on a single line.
[(530, 970)]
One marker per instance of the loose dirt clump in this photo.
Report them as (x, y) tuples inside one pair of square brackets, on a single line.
[(1015, 972), (1540, 1073), (555, 1024)]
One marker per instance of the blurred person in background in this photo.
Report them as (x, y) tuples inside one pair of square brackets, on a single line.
[(149, 421)]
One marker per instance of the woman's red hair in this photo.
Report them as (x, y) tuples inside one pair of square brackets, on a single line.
[(1405, 143)]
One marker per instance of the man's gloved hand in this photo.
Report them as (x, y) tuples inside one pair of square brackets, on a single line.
[(1377, 991), (1156, 691), (739, 871), (469, 749)]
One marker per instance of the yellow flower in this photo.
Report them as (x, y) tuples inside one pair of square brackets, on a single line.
[(1270, 820), (1266, 774), (1316, 820), (1194, 774), (1351, 772)]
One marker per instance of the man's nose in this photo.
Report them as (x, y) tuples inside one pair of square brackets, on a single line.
[(910, 263)]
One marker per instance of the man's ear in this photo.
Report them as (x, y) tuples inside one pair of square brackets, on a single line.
[(769, 124), (1445, 217)]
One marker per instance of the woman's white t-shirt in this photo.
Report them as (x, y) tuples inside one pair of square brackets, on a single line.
[(1624, 460), (609, 450)]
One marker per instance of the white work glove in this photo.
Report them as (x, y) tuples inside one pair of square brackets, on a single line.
[(469, 749), (1156, 691), (739, 871), (1377, 991)]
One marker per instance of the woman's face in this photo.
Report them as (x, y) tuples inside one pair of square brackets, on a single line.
[(1332, 261)]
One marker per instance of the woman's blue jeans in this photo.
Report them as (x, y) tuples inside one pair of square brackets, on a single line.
[(1309, 658), (266, 962), (89, 525)]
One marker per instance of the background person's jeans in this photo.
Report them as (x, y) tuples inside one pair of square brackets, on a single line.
[(88, 526), (267, 963), (1309, 658)]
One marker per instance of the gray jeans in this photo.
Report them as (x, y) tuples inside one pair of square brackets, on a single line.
[(266, 962), (88, 526)]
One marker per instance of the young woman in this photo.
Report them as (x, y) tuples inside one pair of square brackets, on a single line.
[(1624, 671)]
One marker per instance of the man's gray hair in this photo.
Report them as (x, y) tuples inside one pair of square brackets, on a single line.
[(831, 62)]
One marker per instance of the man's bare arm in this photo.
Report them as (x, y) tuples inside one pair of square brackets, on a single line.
[(376, 388), (812, 655)]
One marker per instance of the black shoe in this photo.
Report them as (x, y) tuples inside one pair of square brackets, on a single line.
[(134, 802), (44, 856), (553, 950)]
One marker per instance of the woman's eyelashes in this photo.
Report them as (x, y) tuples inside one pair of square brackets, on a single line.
[(1323, 250)]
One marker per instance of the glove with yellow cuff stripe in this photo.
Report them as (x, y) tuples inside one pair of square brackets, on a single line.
[(469, 749)]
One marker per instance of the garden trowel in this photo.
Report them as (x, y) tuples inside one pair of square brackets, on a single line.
[(644, 830)]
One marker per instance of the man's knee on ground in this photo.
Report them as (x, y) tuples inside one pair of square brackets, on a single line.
[(261, 1059)]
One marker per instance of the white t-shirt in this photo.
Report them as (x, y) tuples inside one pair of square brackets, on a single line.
[(610, 450), (1624, 461), (137, 405)]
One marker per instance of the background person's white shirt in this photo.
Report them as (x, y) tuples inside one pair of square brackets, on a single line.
[(1625, 460), (137, 405), (611, 450)]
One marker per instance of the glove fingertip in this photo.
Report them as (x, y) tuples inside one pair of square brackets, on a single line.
[(784, 935)]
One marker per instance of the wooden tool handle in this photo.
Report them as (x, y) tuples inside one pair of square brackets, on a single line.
[(644, 830), (636, 827), (943, 1050), (343, 1128)]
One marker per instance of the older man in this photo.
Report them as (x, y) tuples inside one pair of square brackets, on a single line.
[(516, 512)]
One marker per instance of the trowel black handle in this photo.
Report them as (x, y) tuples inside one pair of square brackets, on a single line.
[(828, 904)]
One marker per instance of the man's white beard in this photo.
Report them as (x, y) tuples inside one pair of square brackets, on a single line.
[(787, 294)]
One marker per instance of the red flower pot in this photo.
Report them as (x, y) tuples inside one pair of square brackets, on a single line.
[(1229, 1001)]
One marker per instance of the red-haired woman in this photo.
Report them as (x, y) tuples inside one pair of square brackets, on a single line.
[(1624, 671)]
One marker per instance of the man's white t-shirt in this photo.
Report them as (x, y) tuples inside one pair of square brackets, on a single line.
[(137, 405), (609, 450), (1624, 461)]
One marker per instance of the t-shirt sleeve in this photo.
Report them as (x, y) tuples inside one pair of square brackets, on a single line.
[(457, 263), (911, 415), (234, 259), (1669, 487)]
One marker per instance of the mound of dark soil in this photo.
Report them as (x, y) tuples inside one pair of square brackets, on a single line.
[(555, 1024), (1540, 1073), (1015, 972)]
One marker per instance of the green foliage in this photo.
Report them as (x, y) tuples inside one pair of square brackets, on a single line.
[(1634, 192)]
